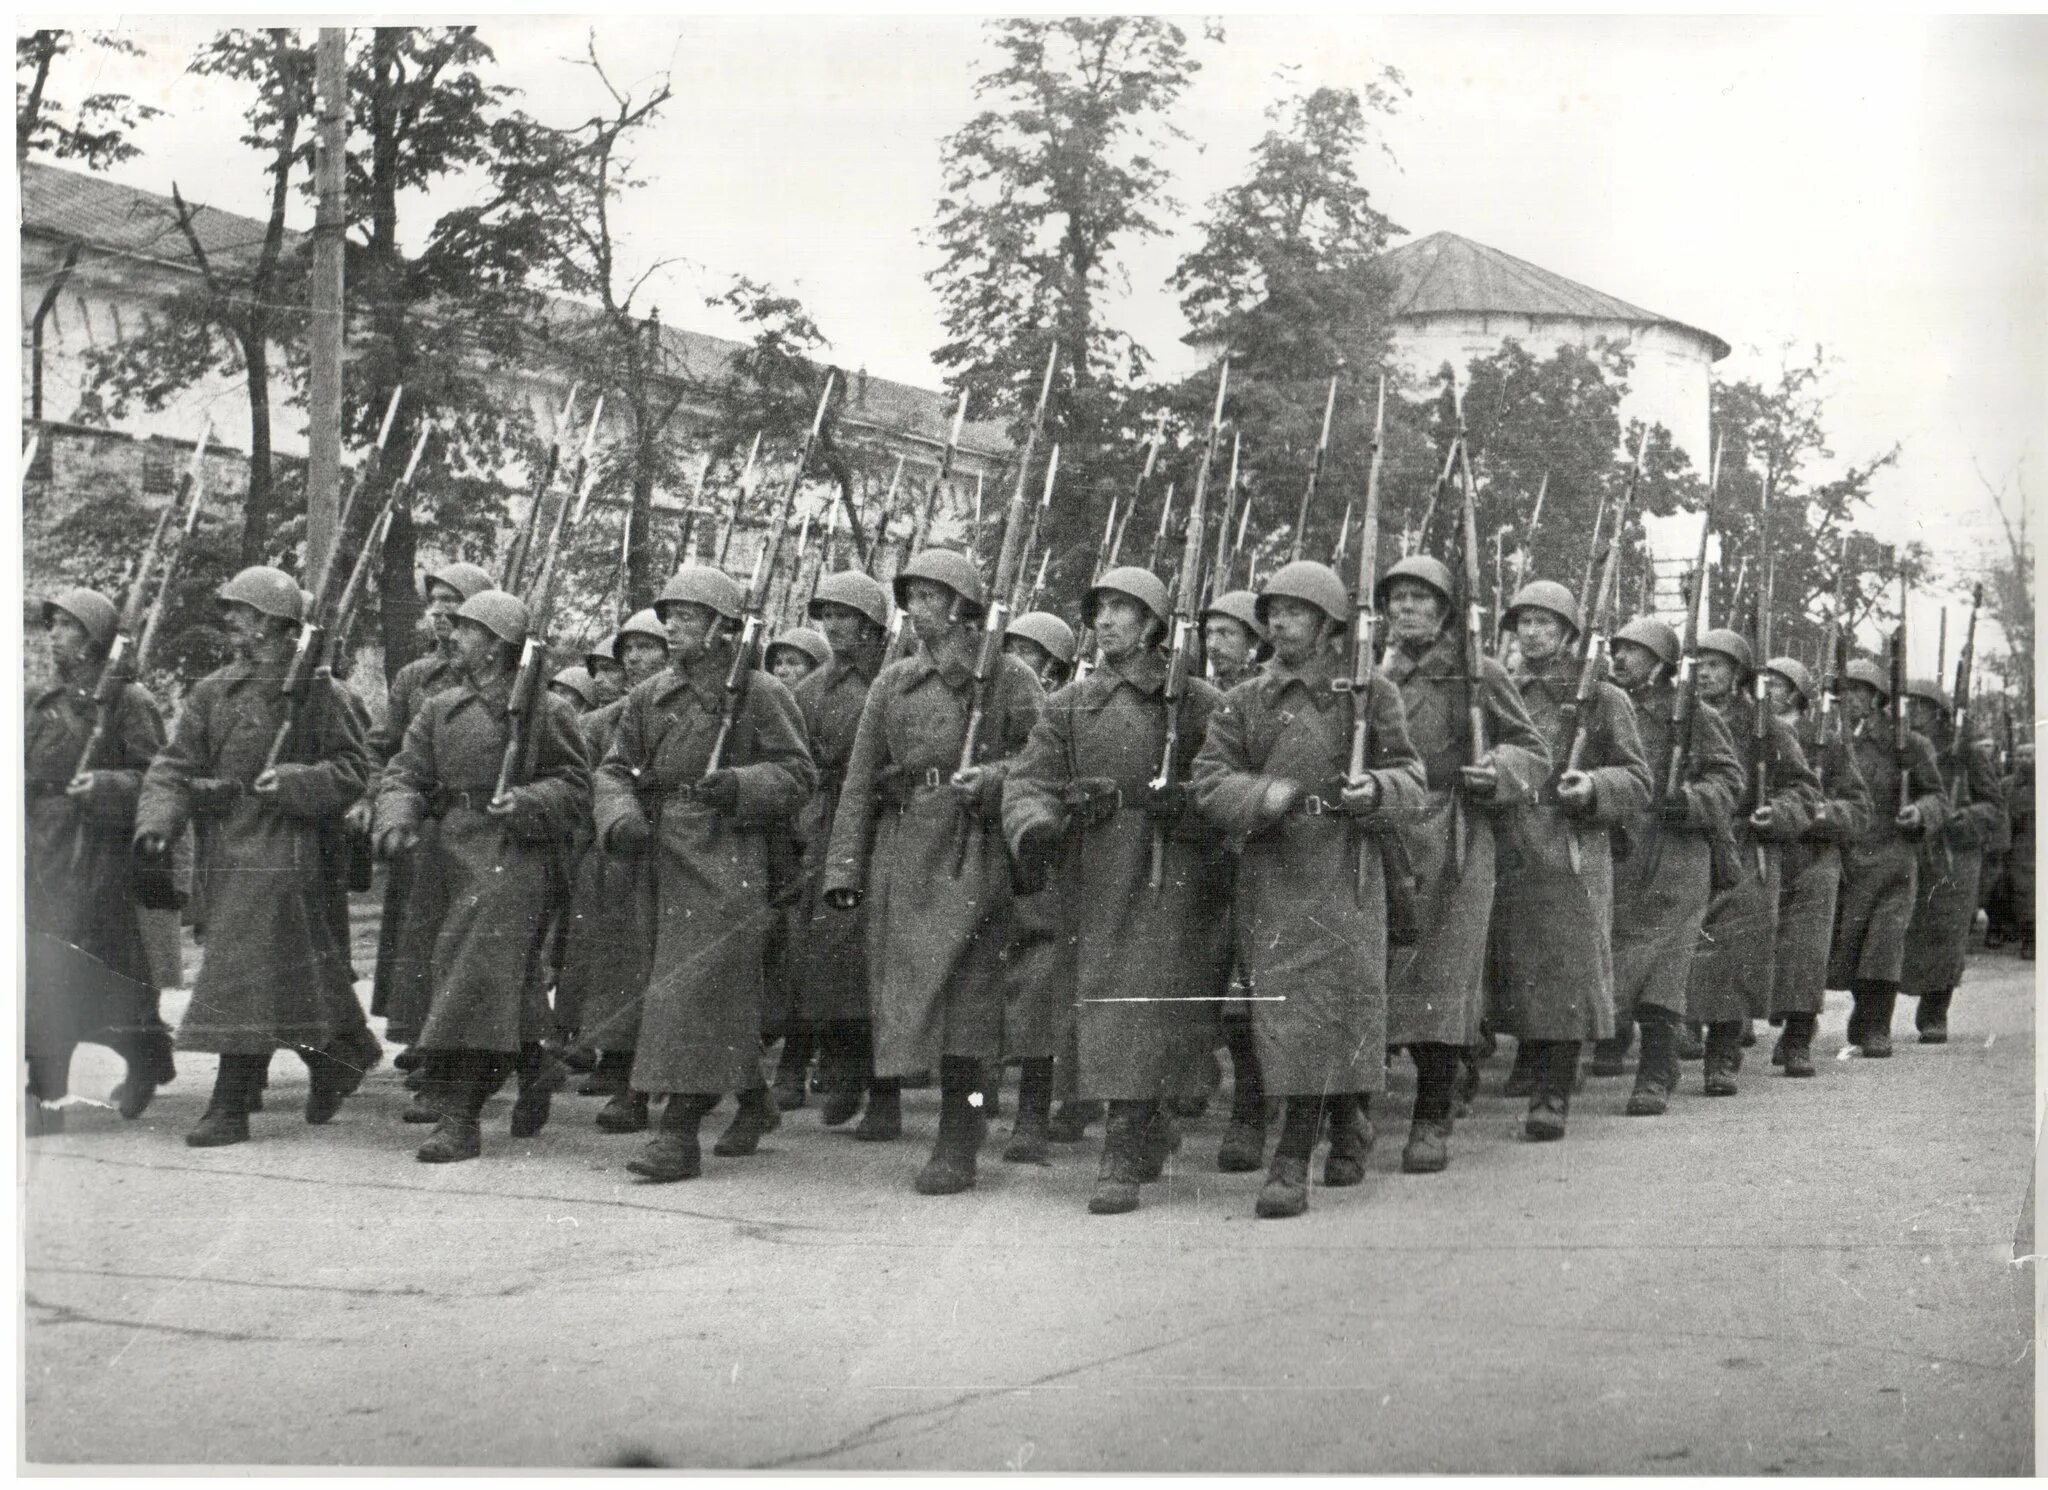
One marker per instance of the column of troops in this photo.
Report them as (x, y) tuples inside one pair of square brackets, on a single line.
[(672, 886)]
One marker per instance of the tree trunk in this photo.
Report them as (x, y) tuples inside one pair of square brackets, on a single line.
[(256, 515), (639, 585), (43, 308)]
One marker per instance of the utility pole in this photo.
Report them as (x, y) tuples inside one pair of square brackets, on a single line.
[(323, 434)]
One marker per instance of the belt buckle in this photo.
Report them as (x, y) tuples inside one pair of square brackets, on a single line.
[(932, 778), (1314, 807)]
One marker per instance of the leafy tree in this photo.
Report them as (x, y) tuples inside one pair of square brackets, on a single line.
[(95, 132)]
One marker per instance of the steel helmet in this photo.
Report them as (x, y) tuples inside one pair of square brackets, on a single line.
[(578, 681), (1420, 567), (1049, 631), (1864, 671), (271, 591), (1305, 580), (1648, 631), (464, 578), (1730, 644), (640, 623), (1928, 690), (700, 584), (90, 609), (606, 649), (1142, 585), (948, 567), (855, 591), (1549, 596), (504, 616), (803, 639), (1241, 606), (1793, 671)]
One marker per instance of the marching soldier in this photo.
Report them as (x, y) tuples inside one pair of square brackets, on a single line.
[(1880, 867), (607, 670), (1732, 971), (1044, 643), (1311, 911), (409, 901), (1811, 871), (1148, 961), (830, 947), (500, 859), (1554, 883), (1951, 863), (604, 960), (918, 840), (271, 974), (1663, 888), (790, 658), (796, 654), (705, 835), (1435, 987), (2019, 862), (88, 975), (575, 687)]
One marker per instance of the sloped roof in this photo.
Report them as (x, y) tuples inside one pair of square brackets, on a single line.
[(1444, 274), (106, 216)]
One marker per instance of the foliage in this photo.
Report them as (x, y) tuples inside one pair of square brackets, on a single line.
[(95, 132)]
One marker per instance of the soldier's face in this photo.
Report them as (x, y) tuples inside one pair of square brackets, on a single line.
[(644, 657), (846, 628), (930, 606), (1717, 675), (476, 650), (1228, 643), (689, 628), (244, 626), (1634, 665), (609, 677), (1784, 697), (68, 641), (1295, 628), (1415, 610), (442, 603), (1859, 702), (1539, 634), (789, 666), (1121, 626), (1922, 715), (1028, 652)]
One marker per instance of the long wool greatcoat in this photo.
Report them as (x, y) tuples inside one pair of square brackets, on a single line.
[(1149, 965), (610, 934), (1312, 944), (1811, 874), (1436, 988), (1662, 887), (938, 916), (1553, 927), (1880, 868), (829, 948), (700, 1026), (404, 899), (1732, 971), (1946, 896), (2019, 798), (88, 971), (501, 876), (272, 974)]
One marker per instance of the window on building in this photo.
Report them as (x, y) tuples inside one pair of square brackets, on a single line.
[(159, 469)]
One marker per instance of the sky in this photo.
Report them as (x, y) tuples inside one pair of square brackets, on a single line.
[(1872, 185)]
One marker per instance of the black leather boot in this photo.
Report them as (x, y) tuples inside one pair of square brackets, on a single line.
[(755, 1119), (472, 1077), (1723, 1057), (1610, 1056), (226, 1119), (1030, 1137), (674, 1153), (1931, 1018), (1657, 1066), (1072, 1120), (1350, 1140), (1521, 1080), (1428, 1150), (1117, 1182), (1285, 1192), (883, 1121), (1550, 1100), (792, 1068), (1872, 1019), (1797, 1044), (848, 1066), (950, 1170), (612, 1077)]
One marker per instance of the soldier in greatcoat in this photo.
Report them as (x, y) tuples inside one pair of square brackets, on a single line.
[(502, 860), (272, 974), (1732, 970), (1553, 909), (2019, 860), (611, 931), (1663, 887), (793, 656), (1310, 900), (706, 834), (87, 970), (829, 947), (1951, 863), (1811, 872), (919, 842), (1044, 643), (412, 906), (1880, 867), (1436, 985), (1149, 959)]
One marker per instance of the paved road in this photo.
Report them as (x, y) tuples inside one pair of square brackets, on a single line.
[(1811, 1278)]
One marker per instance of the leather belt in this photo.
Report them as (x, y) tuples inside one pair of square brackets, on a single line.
[(441, 803)]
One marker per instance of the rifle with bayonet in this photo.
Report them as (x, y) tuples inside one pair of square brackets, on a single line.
[(544, 482), (1474, 641), (1902, 728), (1959, 707), (1019, 596), (931, 493), (753, 624), (128, 653), (1838, 670), (352, 593), (739, 499), (1216, 576), (1154, 553), (1315, 469), (1186, 640), (1760, 727), (988, 656)]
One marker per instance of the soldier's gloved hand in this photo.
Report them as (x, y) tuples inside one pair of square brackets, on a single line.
[(1763, 819), (1676, 809), (1360, 797), (1481, 783), (97, 795), (357, 818), (151, 845), (397, 841), (211, 796), (1166, 802), (1276, 801), (629, 834), (1032, 858), (1908, 820), (719, 790), (978, 788), (520, 812), (842, 899), (1575, 792), (1093, 800)]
